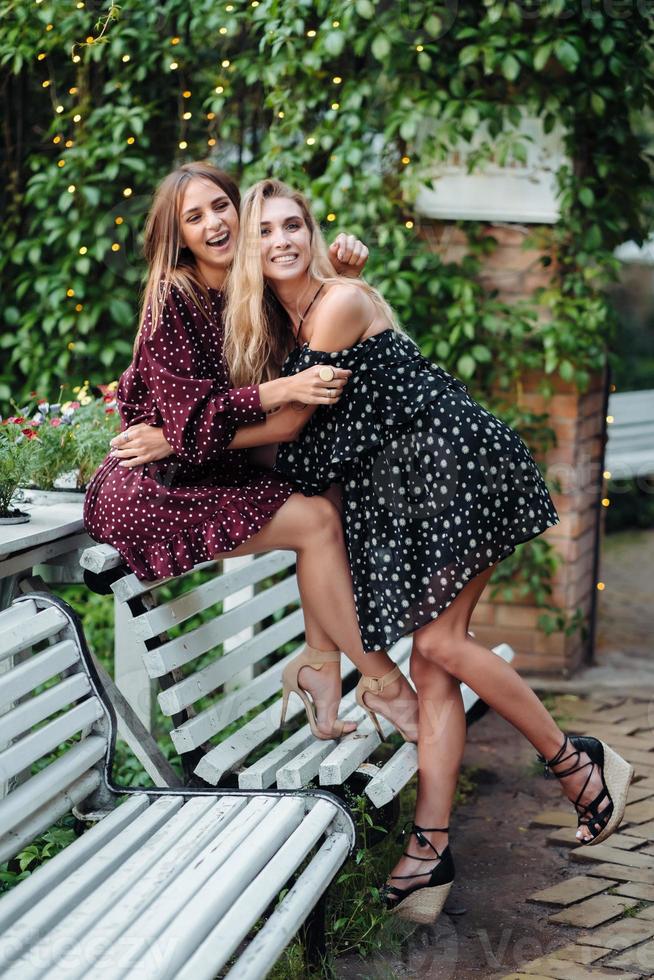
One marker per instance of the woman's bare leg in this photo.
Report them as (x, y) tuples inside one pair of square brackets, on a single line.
[(311, 526)]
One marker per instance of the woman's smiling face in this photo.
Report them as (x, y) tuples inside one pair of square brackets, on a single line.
[(285, 240), (209, 225)]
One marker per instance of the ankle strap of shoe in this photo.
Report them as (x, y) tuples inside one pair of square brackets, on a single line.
[(555, 760), (320, 657), (419, 833), (377, 684)]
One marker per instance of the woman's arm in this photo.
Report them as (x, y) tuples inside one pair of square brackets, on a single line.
[(283, 426)]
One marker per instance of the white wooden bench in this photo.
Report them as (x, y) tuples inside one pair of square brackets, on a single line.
[(167, 883), (199, 664), (630, 446)]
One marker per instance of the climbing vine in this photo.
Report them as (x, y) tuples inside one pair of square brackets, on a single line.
[(352, 101)]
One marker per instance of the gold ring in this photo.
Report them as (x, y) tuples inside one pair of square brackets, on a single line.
[(326, 373)]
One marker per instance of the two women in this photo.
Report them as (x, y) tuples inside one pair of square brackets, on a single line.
[(174, 492), (435, 489)]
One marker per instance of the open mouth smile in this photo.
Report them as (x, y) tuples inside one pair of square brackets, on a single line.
[(219, 241)]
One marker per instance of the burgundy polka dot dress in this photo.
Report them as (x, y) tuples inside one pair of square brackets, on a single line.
[(204, 500)]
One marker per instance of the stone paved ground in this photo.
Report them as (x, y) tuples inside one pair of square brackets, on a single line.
[(605, 906)]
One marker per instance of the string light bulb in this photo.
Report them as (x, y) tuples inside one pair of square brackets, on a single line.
[(419, 47), (83, 250), (406, 160), (46, 83), (331, 216), (211, 142), (211, 115), (186, 94), (127, 192), (57, 139), (311, 33), (225, 63), (126, 58), (311, 140), (605, 502), (609, 419), (71, 188), (337, 79), (61, 163), (173, 66), (70, 292), (183, 145), (175, 40), (600, 586), (79, 307), (73, 91), (335, 106), (130, 140), (115, 247), (77, 117), (219, 90), (187, 115), (281, 114), (336, 23), (69, 143), (118, 220), (59, 109), (223, 30), (76, 58), (41, 55), (408, 224), (607, 474)]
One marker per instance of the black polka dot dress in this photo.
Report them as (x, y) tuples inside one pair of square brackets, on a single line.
[(435, 488), (204, 500)]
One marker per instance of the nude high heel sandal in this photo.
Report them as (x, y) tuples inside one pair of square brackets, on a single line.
[(309, 657), (377, 685)]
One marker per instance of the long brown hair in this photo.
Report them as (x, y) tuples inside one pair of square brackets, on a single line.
[(170, 263), (257, 337)]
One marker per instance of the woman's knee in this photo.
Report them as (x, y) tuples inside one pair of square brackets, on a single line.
[(438, 647), (321, 519)]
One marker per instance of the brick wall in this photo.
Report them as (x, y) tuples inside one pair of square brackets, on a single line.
[(577, 419)]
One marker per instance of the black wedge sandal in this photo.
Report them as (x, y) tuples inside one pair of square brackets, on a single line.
[(616, 776), (422, 903)]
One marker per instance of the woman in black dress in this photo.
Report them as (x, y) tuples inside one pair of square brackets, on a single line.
[(175, 491), (436, 491)]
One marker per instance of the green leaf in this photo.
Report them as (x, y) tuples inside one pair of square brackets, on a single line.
[(468, 54), (434, 25), (586, 197), (365, 9), (424, 61), (566, 54), (334, 42), (542, 56), (510, 67), (380, 47), (597, 103), (466, 366)]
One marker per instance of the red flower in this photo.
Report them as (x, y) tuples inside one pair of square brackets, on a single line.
[(110, 411), (43, 401), (109, 398), (30, 433), (16, 419), (34, 394), (55, 421)]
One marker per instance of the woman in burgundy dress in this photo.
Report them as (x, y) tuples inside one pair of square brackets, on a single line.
[(172, 493)]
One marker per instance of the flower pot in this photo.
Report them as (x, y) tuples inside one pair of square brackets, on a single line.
[(15, 517)]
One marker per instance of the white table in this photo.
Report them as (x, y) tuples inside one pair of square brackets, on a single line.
[(54, 538)]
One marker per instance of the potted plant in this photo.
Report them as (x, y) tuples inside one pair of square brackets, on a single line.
[(73, 439), (16, 456)]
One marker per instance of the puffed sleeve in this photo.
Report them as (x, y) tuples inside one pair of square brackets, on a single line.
[(200, 414)]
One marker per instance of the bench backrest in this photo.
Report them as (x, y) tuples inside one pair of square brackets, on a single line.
[(55, 732), (630, 446)]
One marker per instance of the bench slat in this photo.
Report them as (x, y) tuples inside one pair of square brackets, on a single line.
[(97, 949), (34, 746), (39, 668), (36, 821), (393, 775), (33, 629), (229, 708), (52, 780), (203, 682), (289, 915), (17, 613), (100, 558), (50, 919), (37, 709), (75, 943), (177, 611), (227, 935), (31, 890), (235, 749), (193, 644), (208, 903), (147, 930)]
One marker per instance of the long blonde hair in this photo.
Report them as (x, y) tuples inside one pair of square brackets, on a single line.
[(170, 263), (258, 335)]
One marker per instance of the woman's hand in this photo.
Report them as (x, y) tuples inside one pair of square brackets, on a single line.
[(308, 388), (348, 255), (140, 444)]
